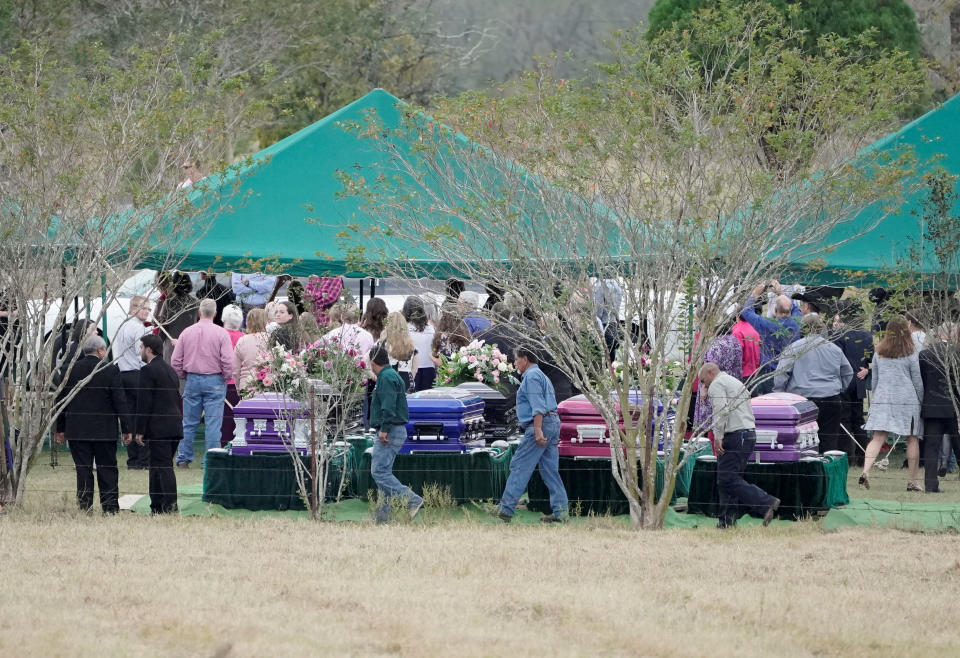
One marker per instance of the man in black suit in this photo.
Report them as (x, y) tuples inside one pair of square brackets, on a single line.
[(937, 410), (857, 346), (159, 423), (90, 422)]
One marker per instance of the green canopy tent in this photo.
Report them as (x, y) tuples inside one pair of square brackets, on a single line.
[(290, 209), (855, 255)]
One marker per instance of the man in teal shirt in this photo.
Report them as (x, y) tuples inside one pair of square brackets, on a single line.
[(389, 416)]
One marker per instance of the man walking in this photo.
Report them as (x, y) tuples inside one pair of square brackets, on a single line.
[(204, 358), (159, 426), (90, 422), (537, 415), (735, 430), (389, 416), (819, 371), (775, 334), (126, 352)]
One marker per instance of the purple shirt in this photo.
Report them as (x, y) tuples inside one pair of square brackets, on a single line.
[(203, 349), (727, 353)]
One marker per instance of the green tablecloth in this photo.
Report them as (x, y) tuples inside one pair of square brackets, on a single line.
[(592, 489), (478, 476), (258, 482), (803, 487)]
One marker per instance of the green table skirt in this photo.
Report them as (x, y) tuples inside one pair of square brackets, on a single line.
[(592, 488), (478, 476), (803, 487), (259, 482)]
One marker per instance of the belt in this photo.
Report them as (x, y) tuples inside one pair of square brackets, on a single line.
[(740, 432), (206, 374)]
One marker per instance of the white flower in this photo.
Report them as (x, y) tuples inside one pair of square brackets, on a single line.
[(503, 367)]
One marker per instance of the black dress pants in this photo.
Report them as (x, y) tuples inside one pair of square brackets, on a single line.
[(852, 419), (137, 456), (829, 415), (933, 431), (737, 496), (103, 455), (162, 479)]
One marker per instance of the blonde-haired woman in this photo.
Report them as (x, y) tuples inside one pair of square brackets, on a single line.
[(250, 348), (897, 396), (396, 338)]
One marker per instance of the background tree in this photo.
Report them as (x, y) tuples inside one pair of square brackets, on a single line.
[(267, 68), (652, 176), (894, 20), (90, 158)]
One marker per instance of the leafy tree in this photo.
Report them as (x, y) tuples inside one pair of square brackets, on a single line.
[(893, 20), (90, 158)]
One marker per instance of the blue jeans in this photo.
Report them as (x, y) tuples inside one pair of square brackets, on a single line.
[(381, 468), (202, 394), (527, 457), (736, 494)]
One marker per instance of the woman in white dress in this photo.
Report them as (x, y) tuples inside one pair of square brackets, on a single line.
[(421, 332), (895, 404)]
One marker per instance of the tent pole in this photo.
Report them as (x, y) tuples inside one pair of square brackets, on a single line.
[(361, 296), (103, 306), (373, 287), (63, 302)]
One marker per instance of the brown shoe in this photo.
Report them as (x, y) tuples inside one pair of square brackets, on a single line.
[(768, 516), (183, 464)]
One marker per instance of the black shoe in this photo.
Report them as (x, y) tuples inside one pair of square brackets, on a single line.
[(768, 516), (864, 482), (550, 518), (933, 491), (942, 472), (506, 518)]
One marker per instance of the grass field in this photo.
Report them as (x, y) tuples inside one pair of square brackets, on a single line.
[(77, 584)]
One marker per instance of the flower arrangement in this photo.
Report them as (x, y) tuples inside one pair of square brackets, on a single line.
[(476, 362), (280, 372), (342, 367)]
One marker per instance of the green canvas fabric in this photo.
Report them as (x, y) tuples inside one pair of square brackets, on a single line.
[(803, 487), (258, 482), (913, 517), (592, 488), (854, 255), (470, 477)]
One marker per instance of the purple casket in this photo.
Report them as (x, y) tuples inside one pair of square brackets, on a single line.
[(268, 423), (786, 427), (444, 419)]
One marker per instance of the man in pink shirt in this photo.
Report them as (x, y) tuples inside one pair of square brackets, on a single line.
[(204, 358), (749, 339)]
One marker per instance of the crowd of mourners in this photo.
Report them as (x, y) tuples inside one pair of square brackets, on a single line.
[(190, 359), (823, 349)]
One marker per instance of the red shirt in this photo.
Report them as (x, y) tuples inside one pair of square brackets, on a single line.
[(750, 341)]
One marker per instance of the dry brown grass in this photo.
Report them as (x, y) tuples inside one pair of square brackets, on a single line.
[(78, 585), (140, 586)]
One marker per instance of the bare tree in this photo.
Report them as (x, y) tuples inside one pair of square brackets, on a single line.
[(89, 163), (649, 178)]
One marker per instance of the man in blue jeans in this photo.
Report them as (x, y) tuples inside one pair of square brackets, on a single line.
[(734, 431), (203, 356), (389, 416), (537, 414)]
